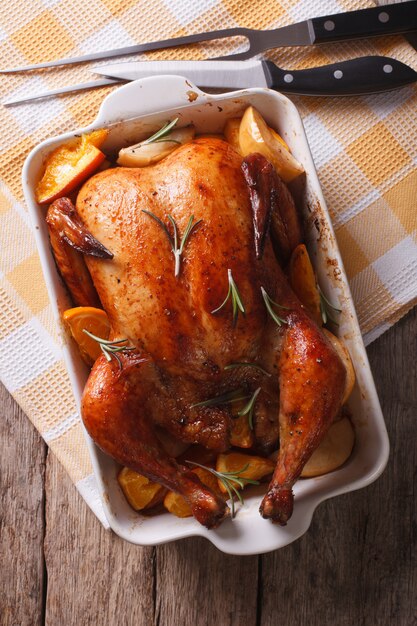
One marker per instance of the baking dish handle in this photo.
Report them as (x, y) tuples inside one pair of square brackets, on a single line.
[(149, 95)]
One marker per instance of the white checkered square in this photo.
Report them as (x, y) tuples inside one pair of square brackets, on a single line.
[(17, 206), (63, 426), (322, 144), (186, 12), (305, 9), (16, 241), (113, 35), (49, 4), (344, 216), (26, 353), (30, 117), (397, 269), (383, 104)]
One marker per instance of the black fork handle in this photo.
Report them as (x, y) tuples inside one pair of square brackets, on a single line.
[(387, 19)]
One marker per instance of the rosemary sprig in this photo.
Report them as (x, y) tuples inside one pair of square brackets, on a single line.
[(268, 303), (237, 304), (248, 408), (110, 348), (224, 398), (327, 308), (228, 480), (255, 366), (162, 132), (177, 244)]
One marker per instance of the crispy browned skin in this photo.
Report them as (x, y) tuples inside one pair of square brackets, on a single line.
[(259, 175), (311, 376), (311, 381), (125, 398), (181, 348), (70, 241), (169, 318), (273, 206)]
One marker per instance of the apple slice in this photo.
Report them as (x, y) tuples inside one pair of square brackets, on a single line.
[(303, 281), (256, 136), (231, 132), (334, 450), (343, 352), (69, 165)]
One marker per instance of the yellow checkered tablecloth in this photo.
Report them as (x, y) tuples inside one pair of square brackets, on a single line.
[(365, 150)]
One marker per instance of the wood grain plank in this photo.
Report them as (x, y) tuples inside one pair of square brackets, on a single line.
[(22, 465), (93, 576), (96, 578), (358, 562), (200, 586)]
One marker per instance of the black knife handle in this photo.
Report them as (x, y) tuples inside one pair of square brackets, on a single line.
[(347, 78), (383, 20)]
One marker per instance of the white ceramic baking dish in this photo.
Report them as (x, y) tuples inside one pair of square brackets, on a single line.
[(130, 113)]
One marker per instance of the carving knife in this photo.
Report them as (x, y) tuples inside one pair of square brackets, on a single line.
[(363, 75), (363, 23)]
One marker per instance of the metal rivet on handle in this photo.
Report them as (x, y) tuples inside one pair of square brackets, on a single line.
[(329, 25), (338, 74), (288, 78), (387, 69), (383, 17)]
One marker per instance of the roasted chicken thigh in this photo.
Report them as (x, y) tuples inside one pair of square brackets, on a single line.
[(181, 332)]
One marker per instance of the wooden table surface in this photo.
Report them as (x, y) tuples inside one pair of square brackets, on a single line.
[(355, 566)]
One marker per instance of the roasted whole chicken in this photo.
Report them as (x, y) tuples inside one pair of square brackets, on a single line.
[(186, 258)]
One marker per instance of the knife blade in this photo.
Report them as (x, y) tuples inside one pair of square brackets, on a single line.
[(395, 18), (363, 75)]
